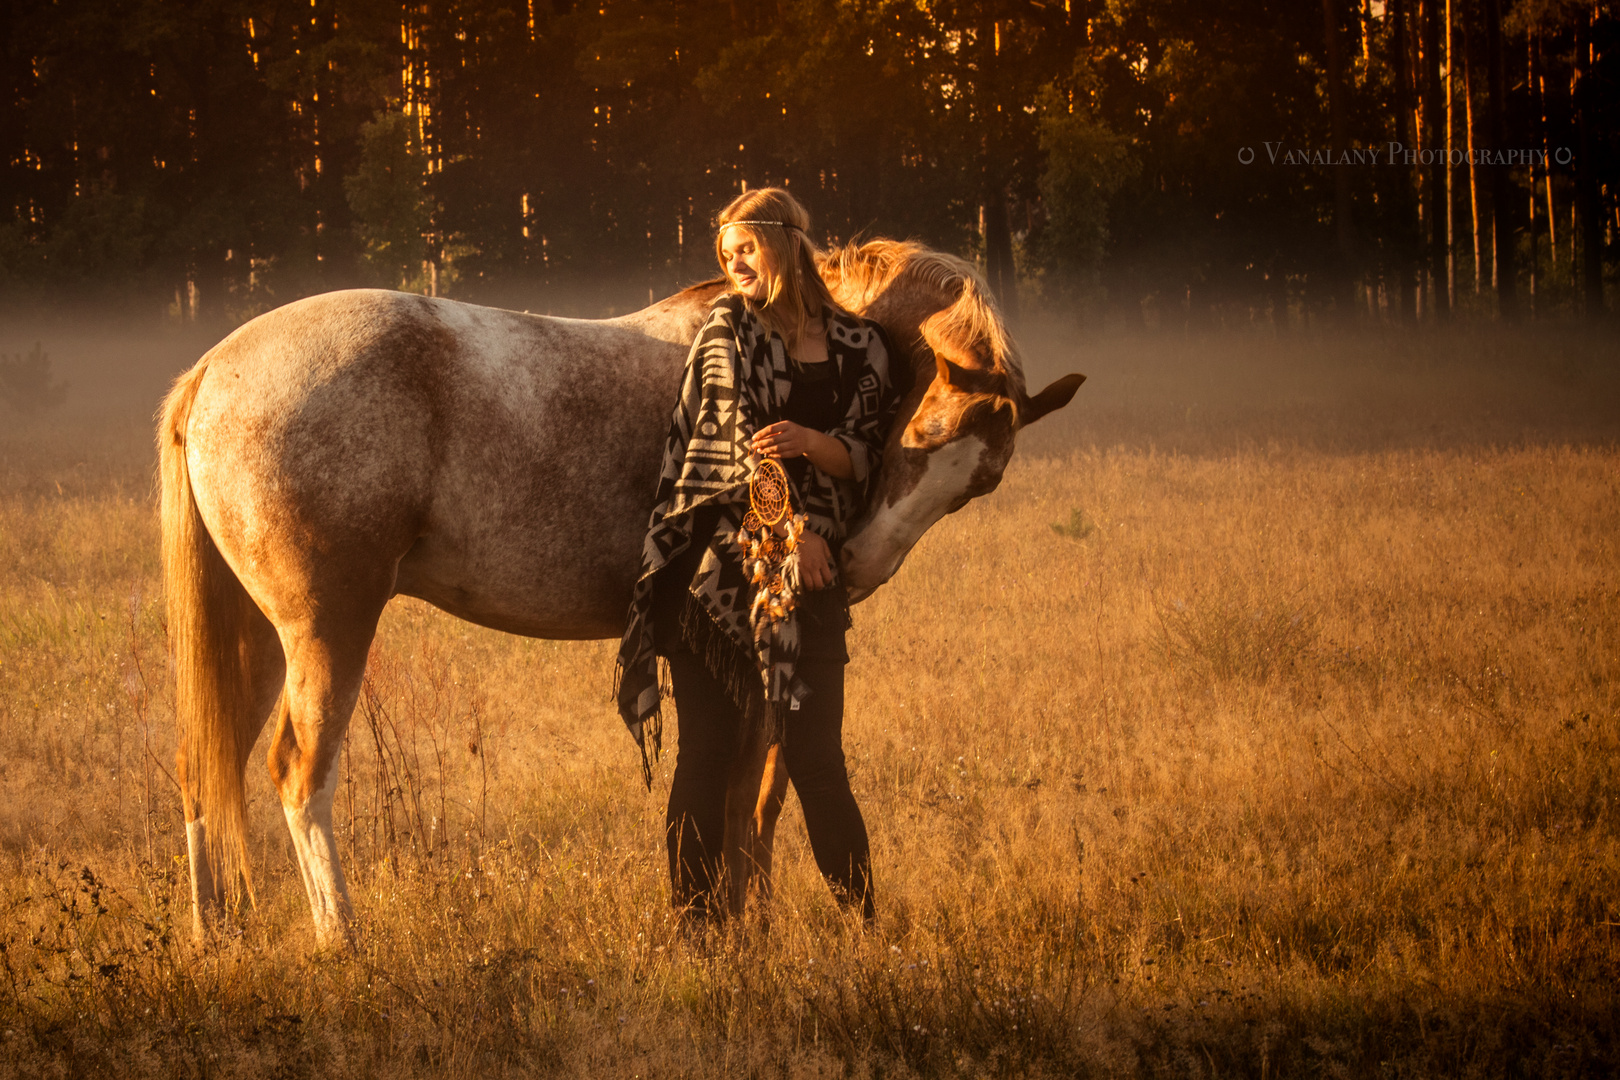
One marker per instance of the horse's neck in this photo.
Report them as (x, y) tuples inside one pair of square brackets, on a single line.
[(677, 319)]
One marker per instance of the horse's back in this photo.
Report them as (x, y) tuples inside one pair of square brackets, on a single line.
[(495, 459)]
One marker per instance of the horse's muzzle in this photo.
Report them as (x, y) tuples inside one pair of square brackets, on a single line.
[(862, 576)]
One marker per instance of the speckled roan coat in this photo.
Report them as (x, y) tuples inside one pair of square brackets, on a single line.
[(359, 445)]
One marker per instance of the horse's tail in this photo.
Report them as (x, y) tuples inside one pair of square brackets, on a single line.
[(208, 620)]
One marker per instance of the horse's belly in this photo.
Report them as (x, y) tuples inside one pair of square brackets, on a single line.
[(545, 583)]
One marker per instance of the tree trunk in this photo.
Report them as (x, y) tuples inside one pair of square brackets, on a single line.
[(1586, 184), (998, 252), (1502, 213), (1471, 140), (1530, 207), (1344, 273), (1538, 61), (1434, 139), (1449, 84), (996, 229), (1401, 235)]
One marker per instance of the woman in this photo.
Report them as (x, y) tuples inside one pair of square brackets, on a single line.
[(778, 371)]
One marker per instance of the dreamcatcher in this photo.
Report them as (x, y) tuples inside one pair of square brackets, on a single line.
[(766, 556)]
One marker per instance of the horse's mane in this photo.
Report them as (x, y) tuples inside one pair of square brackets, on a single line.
[(863, 272)]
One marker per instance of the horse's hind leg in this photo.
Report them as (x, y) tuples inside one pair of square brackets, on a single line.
[(326, 661), (266, 672)]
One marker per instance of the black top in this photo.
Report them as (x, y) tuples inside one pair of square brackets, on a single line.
[(812, 404)]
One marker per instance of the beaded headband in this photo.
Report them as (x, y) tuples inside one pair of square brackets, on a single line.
[(782, 224)]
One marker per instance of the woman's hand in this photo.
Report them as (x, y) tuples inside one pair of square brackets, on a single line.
[(815, 561), (785, 439)]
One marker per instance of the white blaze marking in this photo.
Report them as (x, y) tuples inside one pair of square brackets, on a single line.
[(311, 828), (877, 552), (204, 897)]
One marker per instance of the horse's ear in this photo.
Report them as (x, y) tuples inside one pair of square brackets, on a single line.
[(960, 376), (1053, 398), (949, 373)]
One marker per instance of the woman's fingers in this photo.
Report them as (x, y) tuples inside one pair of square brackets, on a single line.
[(779, 445), (815, 565)]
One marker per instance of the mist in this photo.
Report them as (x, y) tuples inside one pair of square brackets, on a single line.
[(1204, 393)]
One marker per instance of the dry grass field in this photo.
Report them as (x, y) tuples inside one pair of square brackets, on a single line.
[(1264, 723)]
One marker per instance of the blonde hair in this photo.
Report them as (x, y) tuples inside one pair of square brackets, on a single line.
[(780, 226)]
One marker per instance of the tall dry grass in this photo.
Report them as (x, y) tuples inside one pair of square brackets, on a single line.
[(1260, 724)]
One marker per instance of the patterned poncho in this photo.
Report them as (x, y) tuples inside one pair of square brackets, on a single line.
[(736, 381)]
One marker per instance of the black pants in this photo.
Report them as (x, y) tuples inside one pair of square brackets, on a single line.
[(812, 750)]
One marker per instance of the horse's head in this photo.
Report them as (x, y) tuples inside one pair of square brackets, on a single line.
[(965, 404)]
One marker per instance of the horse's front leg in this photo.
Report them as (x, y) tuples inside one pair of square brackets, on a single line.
[(742, 797), (772, 793)]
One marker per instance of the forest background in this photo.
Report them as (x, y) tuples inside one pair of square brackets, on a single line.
[(1137, 162)]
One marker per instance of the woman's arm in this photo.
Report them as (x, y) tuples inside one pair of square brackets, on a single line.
[(785, 439), (722, 347), (866, 423)]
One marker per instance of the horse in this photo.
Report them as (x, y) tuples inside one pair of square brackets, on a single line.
[(357, 445)]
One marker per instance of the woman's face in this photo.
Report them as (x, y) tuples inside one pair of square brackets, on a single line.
[(748, 265)]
